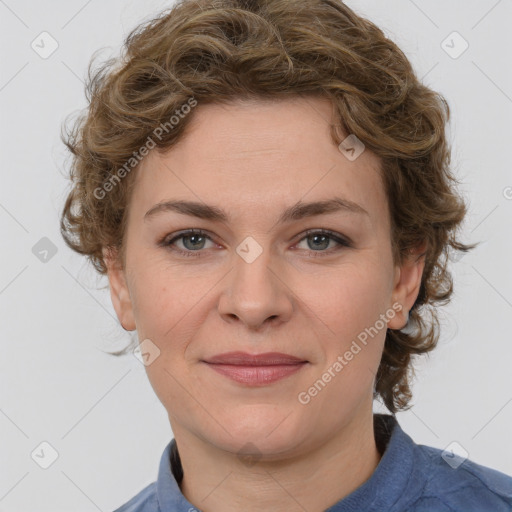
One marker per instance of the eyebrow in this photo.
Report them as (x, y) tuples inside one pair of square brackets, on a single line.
[(298, 211)]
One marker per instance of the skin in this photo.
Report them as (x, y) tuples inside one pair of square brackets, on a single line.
[(254, 159)]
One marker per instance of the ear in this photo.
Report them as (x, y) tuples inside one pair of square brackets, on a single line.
[(119, 292), (407, 285)]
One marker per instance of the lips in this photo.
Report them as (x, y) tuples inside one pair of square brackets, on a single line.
[(255, 369), (245, 359)]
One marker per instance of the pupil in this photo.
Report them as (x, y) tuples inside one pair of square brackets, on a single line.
[(324, 239), (193, 237)]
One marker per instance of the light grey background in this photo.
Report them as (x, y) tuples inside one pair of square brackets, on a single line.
[(99, 412)]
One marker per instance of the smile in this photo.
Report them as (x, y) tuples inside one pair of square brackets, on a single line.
[(255, 369), (257, 375)]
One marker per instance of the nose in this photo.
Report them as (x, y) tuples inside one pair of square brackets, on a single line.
[(255, 293)]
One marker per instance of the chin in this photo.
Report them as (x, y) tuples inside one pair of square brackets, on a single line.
[(267, 435)]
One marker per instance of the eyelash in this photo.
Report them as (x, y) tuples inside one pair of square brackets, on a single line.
[(315, 254)]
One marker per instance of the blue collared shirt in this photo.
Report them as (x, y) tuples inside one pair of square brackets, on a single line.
[(408, 478)]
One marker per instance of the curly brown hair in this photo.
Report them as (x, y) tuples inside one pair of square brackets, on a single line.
[(216, 51)]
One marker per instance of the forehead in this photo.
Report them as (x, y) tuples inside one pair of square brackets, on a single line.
[(248, 154)]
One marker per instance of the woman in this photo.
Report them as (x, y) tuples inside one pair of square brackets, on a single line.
[(267, 187)]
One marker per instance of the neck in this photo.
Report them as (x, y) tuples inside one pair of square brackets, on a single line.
[(216, 480)]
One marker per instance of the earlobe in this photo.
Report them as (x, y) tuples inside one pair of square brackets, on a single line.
[(119, 292), (407, 285)]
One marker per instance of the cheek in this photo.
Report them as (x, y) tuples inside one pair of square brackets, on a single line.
[(349, 301), (352, 307), (160, 301)]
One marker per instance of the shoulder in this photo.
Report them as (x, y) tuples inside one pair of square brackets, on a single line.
[(454, 484), (144, 501)]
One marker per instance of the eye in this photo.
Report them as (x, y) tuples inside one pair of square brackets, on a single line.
[(318, 240), (193, 242)]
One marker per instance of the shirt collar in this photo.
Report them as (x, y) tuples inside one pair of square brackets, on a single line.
[(379, 492), (389, 481), (168, 492)]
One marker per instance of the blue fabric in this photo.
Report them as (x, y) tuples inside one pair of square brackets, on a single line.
[(408, 478)]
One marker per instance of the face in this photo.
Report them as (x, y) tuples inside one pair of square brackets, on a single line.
[(256, 282)]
